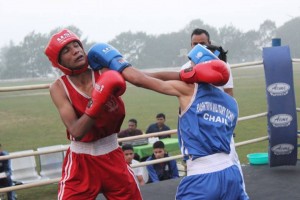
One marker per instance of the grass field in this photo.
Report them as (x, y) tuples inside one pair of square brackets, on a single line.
[(29, 119)]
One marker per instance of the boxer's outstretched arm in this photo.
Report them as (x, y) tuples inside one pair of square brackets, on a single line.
[(164, 75)]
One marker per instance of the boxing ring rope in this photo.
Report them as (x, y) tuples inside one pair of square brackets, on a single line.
[(174, 131), (25, 87), (295, 60), (46, 86), (169, 132)]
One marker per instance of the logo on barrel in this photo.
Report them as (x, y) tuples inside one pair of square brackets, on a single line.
[(281, 120), (278, 89), (282, 149)]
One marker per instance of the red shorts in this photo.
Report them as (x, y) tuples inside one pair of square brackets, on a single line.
[(93, 168)]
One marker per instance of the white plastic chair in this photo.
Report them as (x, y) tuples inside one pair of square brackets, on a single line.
[(145, 174), (24, 168), (144, 171), (51, 163), (181, 169), (65, 146)]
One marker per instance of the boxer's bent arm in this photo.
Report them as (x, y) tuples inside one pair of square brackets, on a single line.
[(77, 127)]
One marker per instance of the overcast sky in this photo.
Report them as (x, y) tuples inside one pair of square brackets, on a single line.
[(101, 20)]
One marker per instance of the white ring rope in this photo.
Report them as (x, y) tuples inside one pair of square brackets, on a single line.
[(295, 60), (25, 87), (173, 131), (247, 64), (252, 116), (45, 86)]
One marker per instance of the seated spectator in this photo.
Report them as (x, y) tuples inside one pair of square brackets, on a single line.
[(129, 154), (161, 171), (5, 174), (159, 126), (131, 130)]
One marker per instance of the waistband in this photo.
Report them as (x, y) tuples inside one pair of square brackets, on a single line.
[(99, 147), (208, 164)]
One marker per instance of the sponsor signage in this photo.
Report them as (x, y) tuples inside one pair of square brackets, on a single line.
[(278, 89), (282, 116)]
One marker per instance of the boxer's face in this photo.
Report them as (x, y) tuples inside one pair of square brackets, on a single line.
[(72, 56), (199, 39)]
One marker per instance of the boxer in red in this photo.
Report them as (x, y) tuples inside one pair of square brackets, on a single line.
[(92, 110)]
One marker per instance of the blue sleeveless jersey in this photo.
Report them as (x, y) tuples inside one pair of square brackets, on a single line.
[(206, 125)]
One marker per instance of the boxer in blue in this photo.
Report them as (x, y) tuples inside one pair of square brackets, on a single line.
[(207, 119)]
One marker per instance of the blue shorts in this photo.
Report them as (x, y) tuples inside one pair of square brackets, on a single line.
[(226, 184)]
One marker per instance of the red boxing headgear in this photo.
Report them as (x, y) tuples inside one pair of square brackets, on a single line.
[(55, 45)]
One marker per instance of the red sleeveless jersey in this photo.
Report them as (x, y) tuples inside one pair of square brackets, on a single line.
[(112, 116)]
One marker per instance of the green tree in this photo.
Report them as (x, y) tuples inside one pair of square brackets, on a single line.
[(27, 59), (12, 67), (32, 57), (131, 45), (250, 47), (163, 51), (198, 23), (231, 39), (289, 34), (267, 31)]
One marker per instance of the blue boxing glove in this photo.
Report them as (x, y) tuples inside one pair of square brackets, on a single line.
[(104, 55), (201, 54)]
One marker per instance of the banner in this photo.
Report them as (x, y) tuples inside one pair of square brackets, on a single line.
[(282, 116)]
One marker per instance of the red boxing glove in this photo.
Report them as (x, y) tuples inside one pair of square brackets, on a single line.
[(214, 72), (109, 83)]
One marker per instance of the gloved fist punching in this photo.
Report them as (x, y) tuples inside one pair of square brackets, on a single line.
[(104, 55), (109, 83), (214, 72)]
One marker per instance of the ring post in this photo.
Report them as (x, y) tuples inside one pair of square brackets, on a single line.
[(282, 116), (276, 42)]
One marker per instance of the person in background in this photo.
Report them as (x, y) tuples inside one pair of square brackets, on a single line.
[(201, 36), (129, 155), (159, 126), (5, 174), (92, 111), (132, 129), (161, 171)]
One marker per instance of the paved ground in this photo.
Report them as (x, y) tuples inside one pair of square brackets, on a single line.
[(262, 183)]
